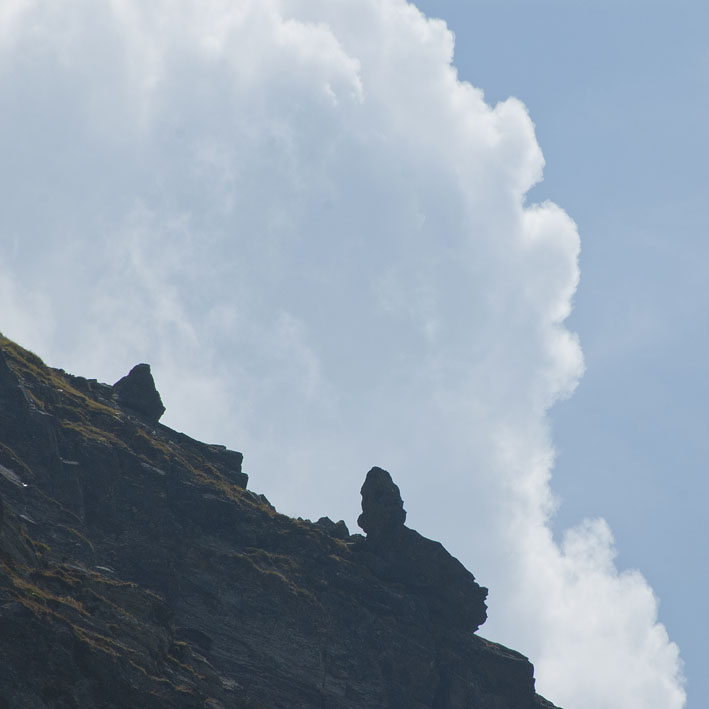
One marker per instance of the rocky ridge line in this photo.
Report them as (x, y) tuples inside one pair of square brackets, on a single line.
[(137, 569)]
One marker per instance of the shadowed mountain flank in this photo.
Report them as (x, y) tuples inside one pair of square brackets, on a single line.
[(137, 569)]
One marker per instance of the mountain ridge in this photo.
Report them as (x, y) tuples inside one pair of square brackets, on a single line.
[(138, 569)]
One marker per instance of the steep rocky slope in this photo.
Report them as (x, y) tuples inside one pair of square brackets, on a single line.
[(137, 570)]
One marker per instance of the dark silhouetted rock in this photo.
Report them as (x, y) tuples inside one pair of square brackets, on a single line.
[(136, 391), (335, 529), (137, 571), (401, 555), (382, 508)]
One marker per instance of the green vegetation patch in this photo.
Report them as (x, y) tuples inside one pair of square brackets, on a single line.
[(11, 459), (89, 432), (35, 374)]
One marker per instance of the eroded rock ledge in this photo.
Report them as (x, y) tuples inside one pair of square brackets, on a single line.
[(137, 569), (401, 555)]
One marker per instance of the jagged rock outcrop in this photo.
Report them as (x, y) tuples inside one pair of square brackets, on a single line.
[(137, 391), (383, 512), (137, 570), (401, 555), (335, 529)]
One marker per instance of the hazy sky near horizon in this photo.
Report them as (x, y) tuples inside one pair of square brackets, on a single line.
[(324, 225)]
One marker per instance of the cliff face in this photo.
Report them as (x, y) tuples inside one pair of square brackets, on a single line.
[(137, 570)]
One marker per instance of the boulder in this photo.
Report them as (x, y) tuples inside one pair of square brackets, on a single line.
[(136, 391), (382, 507)]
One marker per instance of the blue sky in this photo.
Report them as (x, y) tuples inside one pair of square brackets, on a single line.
[(335, 255), (619, 94)]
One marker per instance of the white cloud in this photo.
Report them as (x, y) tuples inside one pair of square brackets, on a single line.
[(319, 238)]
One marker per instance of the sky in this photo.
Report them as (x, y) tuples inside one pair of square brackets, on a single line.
[(469, 250)]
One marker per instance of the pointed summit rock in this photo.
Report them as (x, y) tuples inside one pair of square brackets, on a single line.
[(136, 391), (401, 555), (382, 507)]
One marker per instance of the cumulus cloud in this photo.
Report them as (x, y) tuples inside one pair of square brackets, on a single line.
[(319, 238)]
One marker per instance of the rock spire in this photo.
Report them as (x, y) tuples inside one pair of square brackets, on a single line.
[(137, 391)]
